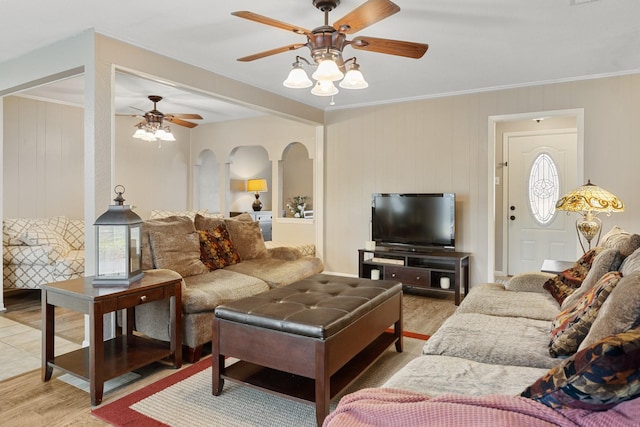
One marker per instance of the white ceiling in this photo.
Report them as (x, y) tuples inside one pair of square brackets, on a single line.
[(475, 45)]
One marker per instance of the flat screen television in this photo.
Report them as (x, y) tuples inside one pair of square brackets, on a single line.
[(414, 221)]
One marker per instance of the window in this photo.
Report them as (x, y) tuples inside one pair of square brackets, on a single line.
[(544, 188)]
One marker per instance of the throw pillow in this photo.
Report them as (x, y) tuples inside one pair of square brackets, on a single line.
[(177, 252), (216, 248), (206, 223), (631, 264), (596, 378), (43, 235), (621, 240), (606, 261), (74, 234), (619, 313), (572, 325), (169, 225), (247, 238), (566, 282)]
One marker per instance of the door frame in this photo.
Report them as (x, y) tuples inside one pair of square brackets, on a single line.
[(578, 113)]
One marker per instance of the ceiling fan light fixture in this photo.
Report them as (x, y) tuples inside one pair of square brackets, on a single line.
[(354, 78), (327, 71), (297, 78), (167, 135), (324, 88), (139, 133)]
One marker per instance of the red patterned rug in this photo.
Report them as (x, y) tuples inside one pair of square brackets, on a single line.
[(184, 398)]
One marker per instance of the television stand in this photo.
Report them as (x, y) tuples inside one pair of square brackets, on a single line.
[(419, 270)]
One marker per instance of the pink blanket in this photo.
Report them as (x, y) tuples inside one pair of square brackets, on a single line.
[(392, 407)]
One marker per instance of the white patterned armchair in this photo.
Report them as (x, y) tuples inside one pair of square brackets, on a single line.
[(37, 251)]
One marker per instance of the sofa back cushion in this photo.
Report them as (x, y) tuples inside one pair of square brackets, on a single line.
[(621, 240), (14, 228), (74, 234), (596, 378), (161, 213), (572, 325), (606, 261), (619, 313), (169, 225), (631, 264), (247, 238), (177, 252)]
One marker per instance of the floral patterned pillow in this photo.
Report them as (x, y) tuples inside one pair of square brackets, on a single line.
[(572, 325), (565, 283), (216, 248), (596, 378)]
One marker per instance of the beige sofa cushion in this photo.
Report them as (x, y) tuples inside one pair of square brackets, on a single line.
[(606, 261), (161, 213), (277, 272), (631, 264), (619, 313), (14, 228), (247, 237), (621, 240), (177, 252), (169, 225), (515, 341)]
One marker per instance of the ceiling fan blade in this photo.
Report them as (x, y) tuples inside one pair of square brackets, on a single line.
[(391, 47), (271, 52), (184, 116), (180, 122), (129, 115), (269, 21), (366, 14)]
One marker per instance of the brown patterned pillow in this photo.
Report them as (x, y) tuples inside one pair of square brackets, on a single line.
[(216, 248), (247, 237), (177, 252), (572, 325), (565, 283)]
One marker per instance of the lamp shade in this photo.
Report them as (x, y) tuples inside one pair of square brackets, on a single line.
[(297, 79), (257, 185), (327, 71), (590, 198)]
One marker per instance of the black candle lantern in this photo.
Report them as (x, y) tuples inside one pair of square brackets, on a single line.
[(118, 245)]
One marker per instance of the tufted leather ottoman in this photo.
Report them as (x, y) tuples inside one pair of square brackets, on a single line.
[(308, 340)]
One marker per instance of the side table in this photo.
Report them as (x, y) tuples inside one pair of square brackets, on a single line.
[(104, 360)]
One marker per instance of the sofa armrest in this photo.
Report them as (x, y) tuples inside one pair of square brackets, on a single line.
[(528, 282), (285, 253)]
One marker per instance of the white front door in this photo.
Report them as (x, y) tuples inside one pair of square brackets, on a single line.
[(541, 167)]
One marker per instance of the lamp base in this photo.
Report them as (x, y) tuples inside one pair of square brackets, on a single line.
[(257, 204), (589, 226)]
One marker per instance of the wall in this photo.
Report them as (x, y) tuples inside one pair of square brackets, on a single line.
[(297, 176), (43, 159), (442, 145), (273, 133), (154, 177)]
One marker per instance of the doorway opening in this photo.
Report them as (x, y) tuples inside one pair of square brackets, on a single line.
[(498, 245)]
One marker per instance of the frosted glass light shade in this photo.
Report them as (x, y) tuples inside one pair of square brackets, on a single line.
[(354, 80), (297, 79), (327, 71), (324, 88), (139, 133)]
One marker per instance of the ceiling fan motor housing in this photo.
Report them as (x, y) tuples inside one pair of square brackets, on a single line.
[(326, 5)]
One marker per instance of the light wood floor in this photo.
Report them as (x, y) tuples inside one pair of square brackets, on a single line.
[(26, 401)]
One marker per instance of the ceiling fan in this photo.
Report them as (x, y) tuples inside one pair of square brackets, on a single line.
[(326, 43), (155, 118), (152, 127), (326, 39)]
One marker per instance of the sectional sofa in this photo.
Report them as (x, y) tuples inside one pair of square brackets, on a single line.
[(220, 260), (541, 350)]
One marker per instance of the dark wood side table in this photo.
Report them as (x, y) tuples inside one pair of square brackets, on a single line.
[(104, 360)]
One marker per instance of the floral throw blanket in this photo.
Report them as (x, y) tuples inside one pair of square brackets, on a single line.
[(392, 407)]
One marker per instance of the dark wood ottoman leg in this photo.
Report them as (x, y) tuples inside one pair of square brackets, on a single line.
[(217, 361), (398, 328), (323, 383)]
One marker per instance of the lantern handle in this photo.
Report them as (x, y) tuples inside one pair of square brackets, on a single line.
[(119, 199)]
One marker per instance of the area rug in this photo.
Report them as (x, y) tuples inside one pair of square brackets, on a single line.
[(185, 399)]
